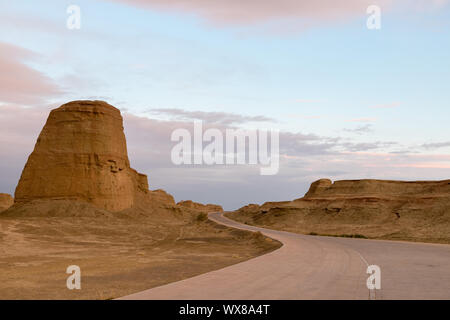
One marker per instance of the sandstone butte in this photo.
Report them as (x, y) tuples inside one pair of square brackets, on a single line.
[(409, 210), (81, 156)]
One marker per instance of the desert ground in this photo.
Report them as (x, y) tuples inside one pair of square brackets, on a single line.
[(117, 255), (310, 267)]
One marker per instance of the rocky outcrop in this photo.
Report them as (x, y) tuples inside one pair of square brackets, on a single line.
[(6, 201), (324, 188), (318, 187), (408, 210), (201, 207), (161, 196), (81, 154), (80, 167)]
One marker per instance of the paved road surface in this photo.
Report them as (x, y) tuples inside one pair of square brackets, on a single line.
[(313, 267)]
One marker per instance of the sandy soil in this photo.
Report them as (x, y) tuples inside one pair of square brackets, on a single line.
[(117, 256)]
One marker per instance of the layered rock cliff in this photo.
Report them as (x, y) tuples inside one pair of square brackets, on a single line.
[(324, 188), (409, 210)]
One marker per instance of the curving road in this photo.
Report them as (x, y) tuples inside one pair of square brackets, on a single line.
[(313, 267)]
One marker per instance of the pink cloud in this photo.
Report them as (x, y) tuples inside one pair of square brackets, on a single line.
[(304, 12), (20, 83), (19, 128), (432, 165), (251, 12)]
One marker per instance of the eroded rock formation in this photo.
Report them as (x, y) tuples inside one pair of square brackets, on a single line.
[(201, 207), (81, 154), (416, 210), (324, 188)]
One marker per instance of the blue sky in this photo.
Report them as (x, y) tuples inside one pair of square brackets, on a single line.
[(331, 77)]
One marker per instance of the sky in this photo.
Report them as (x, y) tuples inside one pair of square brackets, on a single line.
[(349, 102)]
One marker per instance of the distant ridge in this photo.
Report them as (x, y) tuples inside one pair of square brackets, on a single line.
[(383, 209)]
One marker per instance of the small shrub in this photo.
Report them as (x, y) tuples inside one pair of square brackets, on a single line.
[(359, 236), (257, 235), (201, 217)]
